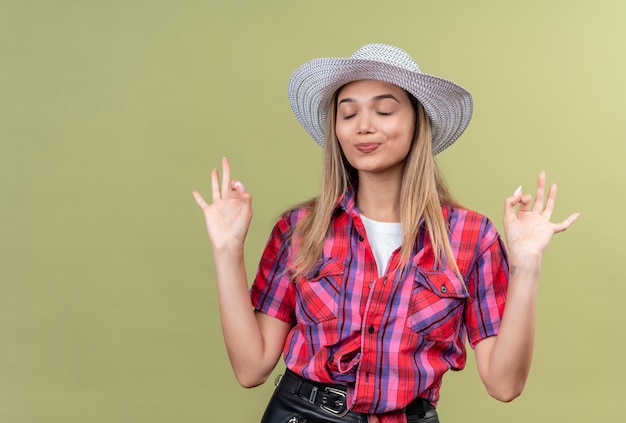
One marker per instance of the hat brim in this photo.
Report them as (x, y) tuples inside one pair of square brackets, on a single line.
[(311, 87)]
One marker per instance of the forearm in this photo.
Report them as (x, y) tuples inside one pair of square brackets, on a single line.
[(253, 341), (504, 360), (240, 328), (511, 356)]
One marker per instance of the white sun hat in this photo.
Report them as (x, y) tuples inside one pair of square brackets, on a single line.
[(312, 86)]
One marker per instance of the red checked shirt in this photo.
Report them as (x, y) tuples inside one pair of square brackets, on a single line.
[(389, 339)]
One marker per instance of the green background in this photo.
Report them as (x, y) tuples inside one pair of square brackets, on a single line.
[(112, 112)]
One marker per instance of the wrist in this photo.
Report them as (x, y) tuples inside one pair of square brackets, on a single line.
[(522, 256), (524, 265), (227, 250)]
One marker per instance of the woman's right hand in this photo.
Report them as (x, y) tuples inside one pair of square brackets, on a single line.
[(228, 217)]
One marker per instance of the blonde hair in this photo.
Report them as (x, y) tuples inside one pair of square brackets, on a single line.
[(422, 194)]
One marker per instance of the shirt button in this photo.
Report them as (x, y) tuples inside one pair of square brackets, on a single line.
[(371, 329), (443, 289), (361, 238)]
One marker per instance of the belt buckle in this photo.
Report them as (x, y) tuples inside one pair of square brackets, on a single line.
[(340, 409)]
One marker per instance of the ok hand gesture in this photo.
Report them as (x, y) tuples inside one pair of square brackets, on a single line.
[(228, 217), (529, 230)]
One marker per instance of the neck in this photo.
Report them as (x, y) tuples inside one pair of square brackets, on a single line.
[(378, 197)]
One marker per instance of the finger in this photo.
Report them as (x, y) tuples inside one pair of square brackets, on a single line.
[(225, 176), (510, 203), (525, 203), (215, 185), (540, 195), (236, 189), (199, 200), (547, 211), (560, 227), (237, 186)]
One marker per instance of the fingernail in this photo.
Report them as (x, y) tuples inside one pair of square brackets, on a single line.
[(518, 190), (239, 186)]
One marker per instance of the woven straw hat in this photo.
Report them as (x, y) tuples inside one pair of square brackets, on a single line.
[(313, 84)]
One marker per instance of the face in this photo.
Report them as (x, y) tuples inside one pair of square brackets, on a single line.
[(374, 125)]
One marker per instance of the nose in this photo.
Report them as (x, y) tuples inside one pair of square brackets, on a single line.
[(364, 124)]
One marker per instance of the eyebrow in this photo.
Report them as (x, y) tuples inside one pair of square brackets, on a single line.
[(377, 98)]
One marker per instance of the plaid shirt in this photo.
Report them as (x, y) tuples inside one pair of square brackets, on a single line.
[(389, 339)]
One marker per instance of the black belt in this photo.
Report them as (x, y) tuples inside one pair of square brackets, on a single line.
[(332, 398)]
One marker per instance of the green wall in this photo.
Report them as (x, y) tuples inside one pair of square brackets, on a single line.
[(112, 112)]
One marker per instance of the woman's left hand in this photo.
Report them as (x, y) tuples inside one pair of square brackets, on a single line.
[(529, 230)]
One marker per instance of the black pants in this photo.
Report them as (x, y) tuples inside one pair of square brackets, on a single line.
[(297, 400)]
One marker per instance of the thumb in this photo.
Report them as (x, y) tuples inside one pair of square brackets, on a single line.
[(510, 203)]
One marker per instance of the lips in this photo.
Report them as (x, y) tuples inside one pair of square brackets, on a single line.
[(367, 147)]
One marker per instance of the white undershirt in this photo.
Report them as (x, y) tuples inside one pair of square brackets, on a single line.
[(384, 238)]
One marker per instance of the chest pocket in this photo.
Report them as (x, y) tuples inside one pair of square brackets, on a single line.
[(318, 293), (436, 306)]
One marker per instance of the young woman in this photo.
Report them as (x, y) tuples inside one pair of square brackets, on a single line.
[(371, 290)]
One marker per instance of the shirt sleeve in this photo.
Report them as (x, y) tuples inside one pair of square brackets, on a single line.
[(272, 291), (487, 285)]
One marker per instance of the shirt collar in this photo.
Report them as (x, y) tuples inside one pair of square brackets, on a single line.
[(347, 202)]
